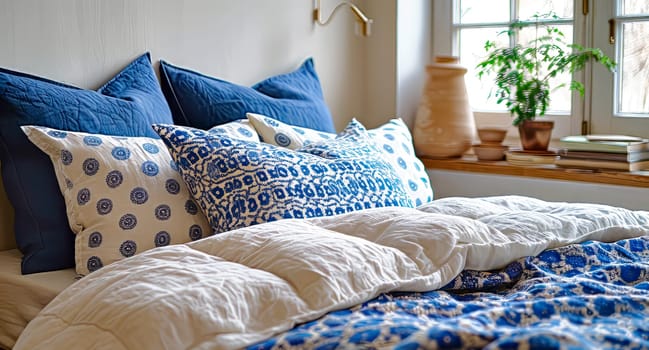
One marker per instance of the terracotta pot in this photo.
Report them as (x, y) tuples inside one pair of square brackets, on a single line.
[(490, 151), (493, 136), (535, 135), (444, 124)]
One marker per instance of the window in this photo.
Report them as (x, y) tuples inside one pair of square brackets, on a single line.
[(614, 103)]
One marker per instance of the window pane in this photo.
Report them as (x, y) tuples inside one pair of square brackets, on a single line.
[(471, 53), (634, 85), (635, 7), (559, 98), (481, 11), (561, 8), (528, 33)]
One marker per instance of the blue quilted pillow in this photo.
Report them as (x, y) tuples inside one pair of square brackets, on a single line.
[(202, 102), (127, 105), (239, 183)]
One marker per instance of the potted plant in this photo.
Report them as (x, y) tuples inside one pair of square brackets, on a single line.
[(523, 75)]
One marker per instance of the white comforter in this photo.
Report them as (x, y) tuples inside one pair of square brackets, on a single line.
[(239, 287)]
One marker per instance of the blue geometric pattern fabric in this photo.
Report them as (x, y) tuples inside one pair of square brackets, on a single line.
[(392, 138), (239, 183), (585, 296)]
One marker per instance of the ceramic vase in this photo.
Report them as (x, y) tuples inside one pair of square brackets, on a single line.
[(444, 125)]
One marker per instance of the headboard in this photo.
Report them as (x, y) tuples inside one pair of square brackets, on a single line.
[(84, 42)]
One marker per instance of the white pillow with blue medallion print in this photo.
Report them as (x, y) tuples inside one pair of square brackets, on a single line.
[(239, 183), (123, 195), (393, 138)]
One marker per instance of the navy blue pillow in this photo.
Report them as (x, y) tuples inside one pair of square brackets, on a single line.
[(127, 105), (202, 102)]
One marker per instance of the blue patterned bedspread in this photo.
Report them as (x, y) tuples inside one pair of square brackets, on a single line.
[(592, 295)]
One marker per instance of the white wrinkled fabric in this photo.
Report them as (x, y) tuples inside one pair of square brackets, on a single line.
[(240, 287)]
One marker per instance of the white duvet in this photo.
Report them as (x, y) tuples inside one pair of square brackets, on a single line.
[(240, 287)]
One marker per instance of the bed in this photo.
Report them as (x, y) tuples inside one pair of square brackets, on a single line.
[(156, 213), (24, 296), (499, 272)]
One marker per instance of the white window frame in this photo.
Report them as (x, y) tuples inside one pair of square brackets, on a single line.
[(604, 116)]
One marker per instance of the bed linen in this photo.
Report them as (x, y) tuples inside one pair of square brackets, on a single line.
[(23, 296), (240, 287), (591, 295)]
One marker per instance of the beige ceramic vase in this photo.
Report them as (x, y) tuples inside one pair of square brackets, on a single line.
[(444, 125)]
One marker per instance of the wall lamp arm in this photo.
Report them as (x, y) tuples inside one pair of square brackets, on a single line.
[(363, 20)]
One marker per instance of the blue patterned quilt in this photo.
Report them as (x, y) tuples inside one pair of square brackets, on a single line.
[(591, 295)]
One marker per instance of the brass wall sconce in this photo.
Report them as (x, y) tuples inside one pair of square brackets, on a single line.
[(363, 20)]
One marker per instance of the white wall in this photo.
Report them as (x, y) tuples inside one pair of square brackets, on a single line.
[(457, 183), (413, 54), (380, 64), (396, 58)]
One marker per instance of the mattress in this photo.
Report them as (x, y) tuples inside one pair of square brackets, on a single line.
[(23, 296)]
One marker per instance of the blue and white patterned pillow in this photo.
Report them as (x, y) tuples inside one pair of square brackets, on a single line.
[(239, 129), (239, 183), (393, 138), (123, 195), (277, 133)]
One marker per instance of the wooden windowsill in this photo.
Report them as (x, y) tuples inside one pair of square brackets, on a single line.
[(471, 164)]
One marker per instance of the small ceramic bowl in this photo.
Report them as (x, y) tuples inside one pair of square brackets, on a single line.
[(492, 135), (490, 152)]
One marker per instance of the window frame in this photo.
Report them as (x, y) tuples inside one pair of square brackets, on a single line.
[(605, 116)]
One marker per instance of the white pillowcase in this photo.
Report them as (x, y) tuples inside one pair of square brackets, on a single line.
[(277, 133), (393, 138), (123, 195), (239, 129)]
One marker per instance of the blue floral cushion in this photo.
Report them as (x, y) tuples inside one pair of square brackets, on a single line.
[(126, 105), (239, 183), (202, 102)]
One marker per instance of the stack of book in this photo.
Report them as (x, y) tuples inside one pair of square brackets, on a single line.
[(614, 152), (530, 158)]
